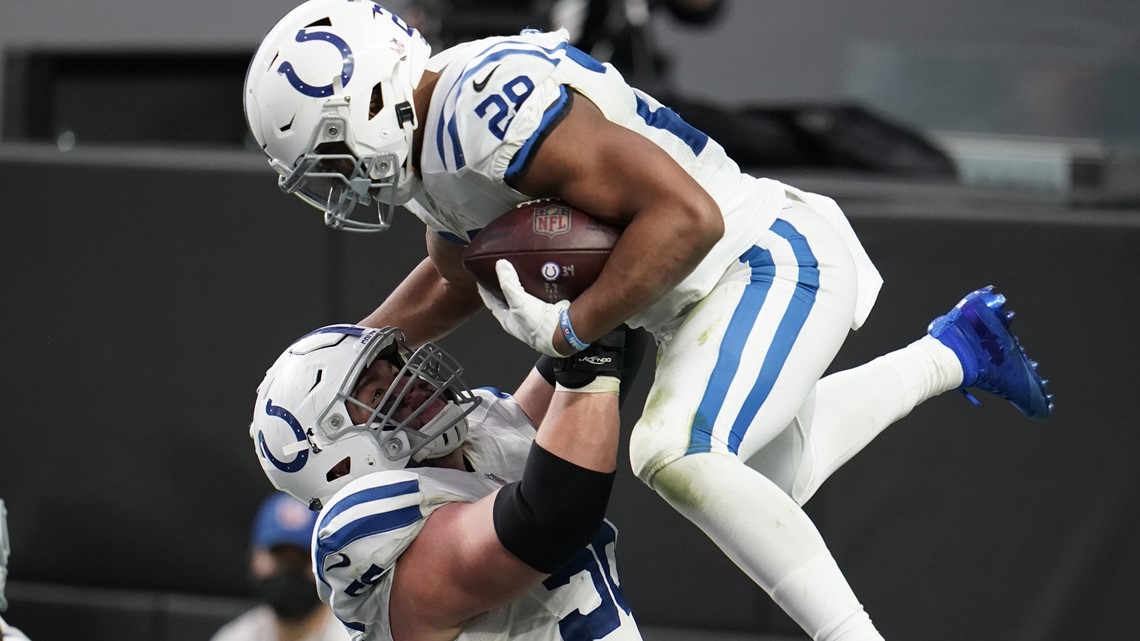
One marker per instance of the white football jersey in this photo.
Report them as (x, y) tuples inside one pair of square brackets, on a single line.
[(367, 525), (9, 633), (498, 98)]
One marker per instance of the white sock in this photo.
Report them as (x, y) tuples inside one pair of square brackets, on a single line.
[(854, 406), (770, 537), (810, 589)]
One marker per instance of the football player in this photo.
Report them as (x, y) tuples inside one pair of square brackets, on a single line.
[(7, 632), (443, 514), (750, 286)]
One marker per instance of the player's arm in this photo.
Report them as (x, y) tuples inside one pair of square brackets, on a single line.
[(434, 299), (617, 175), (473, 557), (534, 395)]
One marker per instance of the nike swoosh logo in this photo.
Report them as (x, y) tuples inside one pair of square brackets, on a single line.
[(479, 85), (343, 562)]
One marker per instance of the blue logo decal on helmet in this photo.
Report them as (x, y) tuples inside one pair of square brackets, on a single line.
[(378, 9), (347, 330), (346, 68), (302, 457)]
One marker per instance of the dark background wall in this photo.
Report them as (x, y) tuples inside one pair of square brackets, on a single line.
[(144, 299), (759, 51)]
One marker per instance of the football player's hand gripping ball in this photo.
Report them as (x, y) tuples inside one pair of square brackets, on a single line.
[(525, 317)]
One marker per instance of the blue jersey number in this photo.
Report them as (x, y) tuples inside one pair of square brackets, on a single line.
[(604, 619), (667, 119), (496, 110), (366, 580)]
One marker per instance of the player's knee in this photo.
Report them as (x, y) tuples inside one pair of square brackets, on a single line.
[(689, 483), (652, 447)]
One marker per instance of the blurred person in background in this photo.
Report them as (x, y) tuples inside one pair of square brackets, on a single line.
[(760, 136), (616, 31), (281, 575), (621, 32), (7, 632)]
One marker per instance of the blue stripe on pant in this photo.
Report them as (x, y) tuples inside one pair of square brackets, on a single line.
[(741, 326)]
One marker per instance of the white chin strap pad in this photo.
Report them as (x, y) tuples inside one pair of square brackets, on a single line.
[(447, 441)]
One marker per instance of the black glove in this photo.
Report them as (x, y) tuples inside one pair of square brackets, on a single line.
[(636, 342), (604, 357)]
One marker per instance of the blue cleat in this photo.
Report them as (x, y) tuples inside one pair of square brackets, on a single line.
[(977, 330)]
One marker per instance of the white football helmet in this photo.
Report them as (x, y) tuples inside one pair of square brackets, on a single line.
[(328, 97), (308, 445)]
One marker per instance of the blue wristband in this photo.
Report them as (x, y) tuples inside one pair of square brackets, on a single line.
[(568, 332)]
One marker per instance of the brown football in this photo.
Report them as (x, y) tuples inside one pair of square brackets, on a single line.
[(557, 250)]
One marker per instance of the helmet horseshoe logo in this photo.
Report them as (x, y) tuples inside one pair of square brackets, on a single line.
[(285, 415), (346, 68)]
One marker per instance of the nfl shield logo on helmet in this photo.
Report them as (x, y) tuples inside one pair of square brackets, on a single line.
[(551, 221)]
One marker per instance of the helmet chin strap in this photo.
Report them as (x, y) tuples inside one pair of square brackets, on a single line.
[(407, 119), (439, 437), (449, 439)]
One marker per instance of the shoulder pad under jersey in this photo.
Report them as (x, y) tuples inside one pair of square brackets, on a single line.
[(369, 523), (484, 96)]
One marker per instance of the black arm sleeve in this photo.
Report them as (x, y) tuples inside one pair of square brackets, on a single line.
[(553, 512)]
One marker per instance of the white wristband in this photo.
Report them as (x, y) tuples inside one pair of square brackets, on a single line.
[(600, 385)]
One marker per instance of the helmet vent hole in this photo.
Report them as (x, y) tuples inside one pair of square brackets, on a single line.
[(287, 126), (323, 22), (376, 103), (316, 382), (339, 470)]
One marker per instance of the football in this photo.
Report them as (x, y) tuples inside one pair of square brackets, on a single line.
[(558, 251)]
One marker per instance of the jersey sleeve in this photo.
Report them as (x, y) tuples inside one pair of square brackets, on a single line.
[(368, 524), (504, 102), (360, 534)]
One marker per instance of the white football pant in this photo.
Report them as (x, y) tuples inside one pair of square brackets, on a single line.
[(738, 380)]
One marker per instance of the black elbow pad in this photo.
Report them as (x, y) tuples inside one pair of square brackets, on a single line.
[(553, 512)]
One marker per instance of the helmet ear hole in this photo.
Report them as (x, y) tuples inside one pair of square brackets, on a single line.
[(340, 469), (376, 103)]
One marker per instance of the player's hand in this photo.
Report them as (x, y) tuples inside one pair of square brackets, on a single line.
[(525, 317)]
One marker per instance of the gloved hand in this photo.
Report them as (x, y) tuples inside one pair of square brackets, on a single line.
[(525, 317)]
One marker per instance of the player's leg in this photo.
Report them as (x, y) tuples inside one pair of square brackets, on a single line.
[(737, 367), (768, 536), (848, 409), (731, 378)]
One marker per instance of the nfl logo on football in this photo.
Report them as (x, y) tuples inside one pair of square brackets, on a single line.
[(551, 221)]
